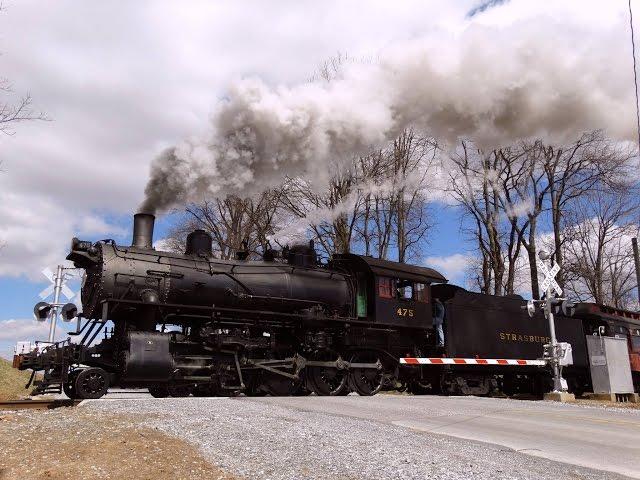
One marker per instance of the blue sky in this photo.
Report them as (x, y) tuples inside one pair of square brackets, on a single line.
[(122, 81)]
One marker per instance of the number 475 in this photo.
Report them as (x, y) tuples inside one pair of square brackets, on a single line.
[(405, 312)]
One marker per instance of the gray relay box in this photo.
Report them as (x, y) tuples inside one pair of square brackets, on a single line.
[(609, 362)]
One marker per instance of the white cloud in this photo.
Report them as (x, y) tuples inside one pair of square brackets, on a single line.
[(23, 329), (17, 330), (451, 266), (35, 232), (94, 225)]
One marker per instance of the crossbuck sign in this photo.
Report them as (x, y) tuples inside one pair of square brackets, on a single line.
[(550, 277), (66, 291)]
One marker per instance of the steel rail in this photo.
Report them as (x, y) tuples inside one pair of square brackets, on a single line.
[(37, 404)]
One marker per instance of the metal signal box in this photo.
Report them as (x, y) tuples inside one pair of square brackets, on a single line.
[(609, 364)]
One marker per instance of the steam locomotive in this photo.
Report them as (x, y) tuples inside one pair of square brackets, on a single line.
[(192, 324)]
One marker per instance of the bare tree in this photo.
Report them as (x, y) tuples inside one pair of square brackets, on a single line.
[(13, 111), (471, 188), (376, 205), (592, 162), (411, 160), (231, 221), (394, 213), (526, 194), (484, 186), (598, 260), (374, 228), (331, 213), (529, 184)]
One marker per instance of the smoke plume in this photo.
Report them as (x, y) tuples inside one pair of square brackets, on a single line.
[(493, 86)]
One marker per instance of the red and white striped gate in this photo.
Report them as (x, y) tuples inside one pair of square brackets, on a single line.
[(471, 361)]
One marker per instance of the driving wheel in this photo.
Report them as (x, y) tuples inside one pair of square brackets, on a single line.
[(327, 380), (366, 381)]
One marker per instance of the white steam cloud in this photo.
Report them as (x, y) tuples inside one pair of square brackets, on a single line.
[(494, 86)]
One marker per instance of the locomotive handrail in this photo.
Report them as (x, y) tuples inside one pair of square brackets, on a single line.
[(258, 313), (247, 289), (268, 297)]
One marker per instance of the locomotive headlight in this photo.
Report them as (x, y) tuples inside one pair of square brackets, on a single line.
[(81, 245)]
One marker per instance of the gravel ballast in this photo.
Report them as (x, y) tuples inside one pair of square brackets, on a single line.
[(267, 441)]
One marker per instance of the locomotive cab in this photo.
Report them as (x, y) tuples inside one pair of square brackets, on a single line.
[(395, 294)]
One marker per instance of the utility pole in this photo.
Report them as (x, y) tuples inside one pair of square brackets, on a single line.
[(636, 256)]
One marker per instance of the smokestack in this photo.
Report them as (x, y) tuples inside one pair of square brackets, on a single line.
[(143, 230)]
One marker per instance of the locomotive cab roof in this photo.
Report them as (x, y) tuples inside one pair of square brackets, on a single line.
[(386, 268)]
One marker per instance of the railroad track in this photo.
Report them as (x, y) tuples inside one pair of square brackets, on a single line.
[(37, 404)]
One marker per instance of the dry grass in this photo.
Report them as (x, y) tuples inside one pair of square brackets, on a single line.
[(12, 382), (71, 443)]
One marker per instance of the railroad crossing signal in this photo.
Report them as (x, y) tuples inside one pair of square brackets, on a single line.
[(43, 310), (553, 352), (549, 277), (66, 291)]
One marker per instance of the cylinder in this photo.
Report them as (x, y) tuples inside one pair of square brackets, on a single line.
[(143, 230)]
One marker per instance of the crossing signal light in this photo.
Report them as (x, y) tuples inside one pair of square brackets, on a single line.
[(568, 308), (69, 312), (41, 311)]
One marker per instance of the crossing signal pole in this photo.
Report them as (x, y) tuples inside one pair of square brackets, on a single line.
[(554, 353), (636, 257)]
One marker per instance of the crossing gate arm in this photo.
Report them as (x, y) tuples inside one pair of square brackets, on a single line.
[(472, 361)]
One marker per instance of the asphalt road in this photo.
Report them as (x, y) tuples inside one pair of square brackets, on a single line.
[(600, 438)]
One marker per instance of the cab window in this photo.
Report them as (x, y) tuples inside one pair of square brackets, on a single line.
[(400, 289), (385, 287), (404, 290), (420, 293)]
